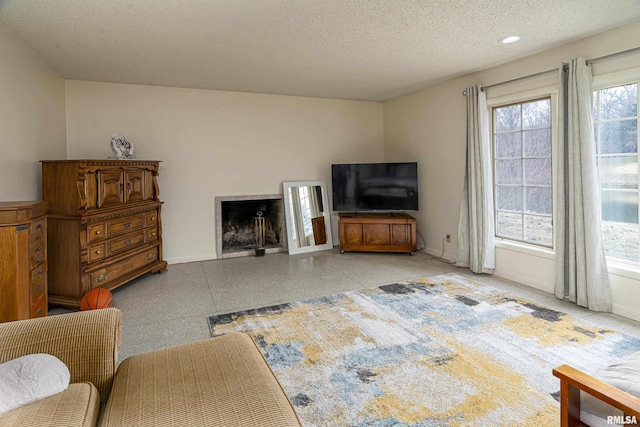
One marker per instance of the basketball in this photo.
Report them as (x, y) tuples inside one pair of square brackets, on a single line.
[(96, 298)]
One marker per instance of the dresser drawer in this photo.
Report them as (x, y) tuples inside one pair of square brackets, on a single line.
[(38, 307), (38, 291), (152, 218), (39, 238), (37, 253), (96, 232), (38, 233), (124, 225), (38, 227), (38, 281), (96, 252), (103, 276), (152, 234), (126, 242)]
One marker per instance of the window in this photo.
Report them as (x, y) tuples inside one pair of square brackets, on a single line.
[(301, 194), (522, 171), (305, 205), (616, 135)]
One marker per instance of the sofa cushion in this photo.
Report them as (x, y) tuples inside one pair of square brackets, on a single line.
[(77, 406), (29, 378), (222, 381)]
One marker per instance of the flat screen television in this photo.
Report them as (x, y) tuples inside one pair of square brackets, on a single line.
[(375, 187)]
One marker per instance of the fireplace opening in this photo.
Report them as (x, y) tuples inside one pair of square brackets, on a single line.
[(235, 219)]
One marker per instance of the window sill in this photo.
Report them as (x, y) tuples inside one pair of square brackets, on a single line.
[(526, 249), (616, 268), (622, 269)]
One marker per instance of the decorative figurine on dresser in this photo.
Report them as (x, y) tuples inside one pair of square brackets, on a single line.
[(105, 227), (23, 260)]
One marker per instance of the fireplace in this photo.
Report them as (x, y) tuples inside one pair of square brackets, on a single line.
[(235, 224)]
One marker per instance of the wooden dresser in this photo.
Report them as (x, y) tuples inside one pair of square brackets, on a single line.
[(23, 260), (105, 226)]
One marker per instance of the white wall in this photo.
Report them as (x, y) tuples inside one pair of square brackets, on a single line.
[(215, 143), (226, 143), (429, 126), (32, 118)]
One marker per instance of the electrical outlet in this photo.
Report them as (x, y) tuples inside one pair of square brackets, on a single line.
[(448, 236)]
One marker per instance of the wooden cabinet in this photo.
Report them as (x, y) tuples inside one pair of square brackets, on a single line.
[(319, 230), (23, 260), (105, 226), (377, 232), (118, 187)]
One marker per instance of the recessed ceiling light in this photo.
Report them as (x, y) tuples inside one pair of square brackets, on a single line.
[(510, 39)]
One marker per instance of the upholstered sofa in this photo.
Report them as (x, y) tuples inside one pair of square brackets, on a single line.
[(221, 381)]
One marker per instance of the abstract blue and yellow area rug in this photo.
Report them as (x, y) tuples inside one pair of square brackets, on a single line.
[(442, 351)]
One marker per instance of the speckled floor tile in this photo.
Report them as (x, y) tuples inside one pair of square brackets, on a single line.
[(181, 291), (161, 310), (143, 338)]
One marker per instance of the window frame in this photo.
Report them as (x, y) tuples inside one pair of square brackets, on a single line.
[(548, 92)]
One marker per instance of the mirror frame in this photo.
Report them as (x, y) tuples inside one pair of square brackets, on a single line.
[(293, 248)]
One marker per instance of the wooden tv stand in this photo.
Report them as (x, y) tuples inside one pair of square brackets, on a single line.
[(377, 232)]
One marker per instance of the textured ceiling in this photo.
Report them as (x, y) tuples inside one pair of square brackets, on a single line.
[(352, 49)]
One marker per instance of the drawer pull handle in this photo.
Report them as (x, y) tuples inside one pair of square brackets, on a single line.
[(98, 232), (40, 272), (39, 227), (153, 234), (38, 288), (38, 260), (128, 242), (101, 278), (151, 256), (98, 252), (153, 218), (127, 225)]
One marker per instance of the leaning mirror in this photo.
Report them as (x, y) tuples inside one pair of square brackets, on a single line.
[(307, 214)]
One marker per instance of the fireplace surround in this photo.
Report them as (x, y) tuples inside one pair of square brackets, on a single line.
[(235, 236)]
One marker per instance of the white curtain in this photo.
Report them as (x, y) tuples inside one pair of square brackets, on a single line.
[(296, 216), (581, 270), (476, 246), (313, 201)]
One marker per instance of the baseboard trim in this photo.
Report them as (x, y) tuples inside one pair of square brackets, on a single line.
[(524, 280), (182, 260), (627, 312)]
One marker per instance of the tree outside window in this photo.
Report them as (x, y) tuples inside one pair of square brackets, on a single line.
[(522, 171), (616, 136)]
